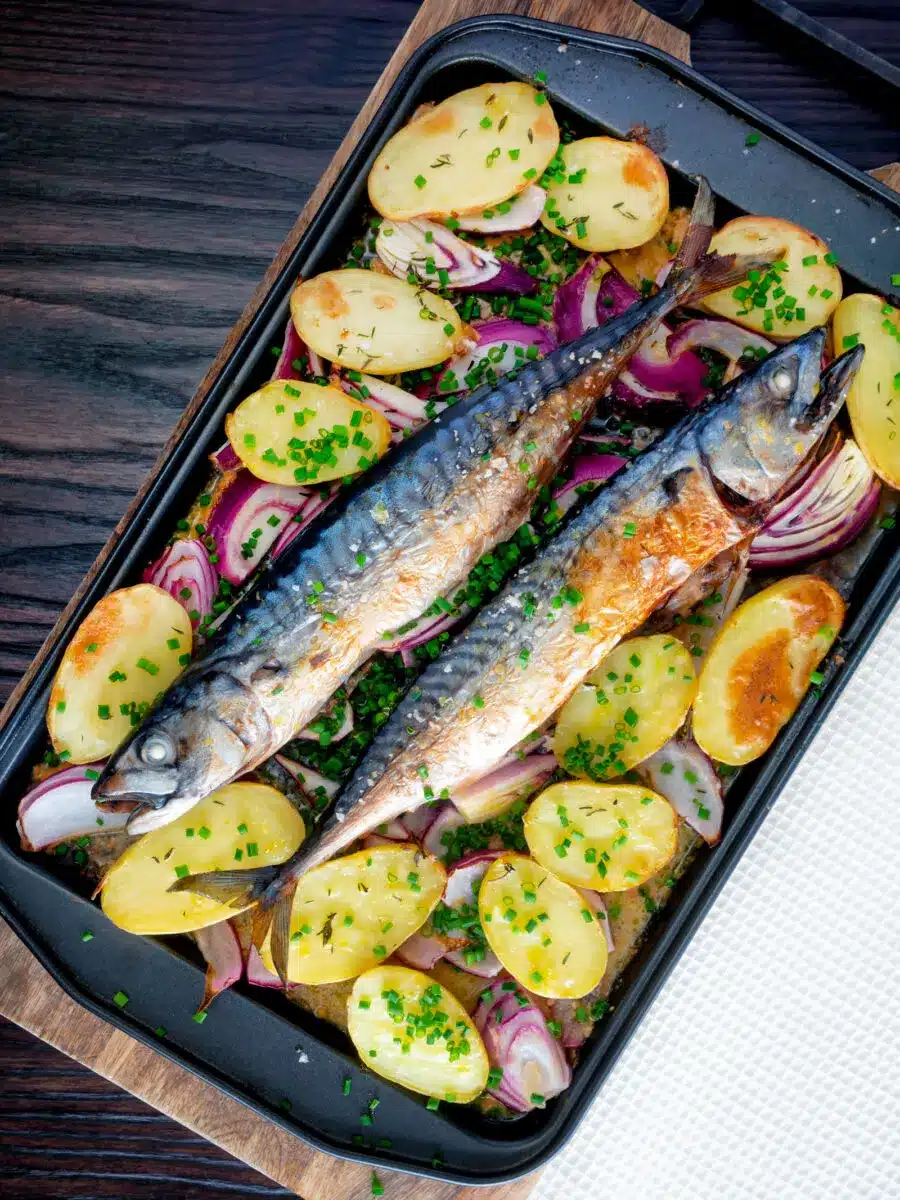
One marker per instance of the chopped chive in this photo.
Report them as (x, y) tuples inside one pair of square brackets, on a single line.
[(121, 999)]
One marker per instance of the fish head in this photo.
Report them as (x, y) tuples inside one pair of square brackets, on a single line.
[(758, 433), (207, 730)]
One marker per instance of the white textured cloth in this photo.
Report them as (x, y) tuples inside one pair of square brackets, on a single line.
[(769, 1066)]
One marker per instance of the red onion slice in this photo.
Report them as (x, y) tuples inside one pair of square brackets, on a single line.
[(434, 255), (419, 821), (258, 973), (422, 952), (61, 807), (523, 1048), (728, 339), (687, 778), (294, 350), (520, 212), (310, 782), (247, 518), (221, 948), (225, 459), (391, 399), (311, 510), (310, 733), (447, 818), (425, 629), (509, 278), (506, 783), (575, 302), (574, 1033), (185, 572), (598, 904), (587, 468), (503, 346), (830, 508)]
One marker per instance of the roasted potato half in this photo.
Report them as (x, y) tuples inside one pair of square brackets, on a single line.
[(785, 302), (629, 707), (615, 195), (353, 912), (541, 929), (469, 152), (126, 651), (609, 837), (372, 322), (393, 1014), (291, 432), (874, 397), (240, 825), (759, 667)]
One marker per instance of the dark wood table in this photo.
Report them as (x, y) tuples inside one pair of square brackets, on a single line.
[(155, 154)]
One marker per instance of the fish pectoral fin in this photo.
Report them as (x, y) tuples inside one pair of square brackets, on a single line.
[(234, 888)]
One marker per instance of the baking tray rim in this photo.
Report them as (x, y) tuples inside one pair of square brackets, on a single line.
[(675, 935)]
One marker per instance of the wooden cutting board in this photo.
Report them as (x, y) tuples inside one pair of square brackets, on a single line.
[(29, 996)]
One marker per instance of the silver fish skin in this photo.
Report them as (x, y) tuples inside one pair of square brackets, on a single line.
[(387, 549), (700, 490)]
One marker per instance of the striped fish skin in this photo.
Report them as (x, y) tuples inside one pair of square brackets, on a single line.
[(412, 529), (701, 490)]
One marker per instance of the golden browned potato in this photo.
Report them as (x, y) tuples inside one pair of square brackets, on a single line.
[(126, 651), (874, 397), (615, 195), (373, 322), (475, 149), (283, 432), (759, 667), (805, 293), (645, 262)]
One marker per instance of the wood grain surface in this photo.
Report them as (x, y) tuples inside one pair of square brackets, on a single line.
[(155, 156)]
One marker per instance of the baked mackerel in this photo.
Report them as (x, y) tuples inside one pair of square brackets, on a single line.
[(412, 529), (700, 490)]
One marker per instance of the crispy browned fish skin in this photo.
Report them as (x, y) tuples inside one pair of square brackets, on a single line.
[(702, 489), (381, 555)]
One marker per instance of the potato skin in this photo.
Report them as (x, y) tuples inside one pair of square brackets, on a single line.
[(758, 669), (620, 202), (766, 235), (875, 392)]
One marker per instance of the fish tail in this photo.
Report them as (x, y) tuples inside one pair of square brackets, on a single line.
[(273, 912), (234, 888), (696, 239)]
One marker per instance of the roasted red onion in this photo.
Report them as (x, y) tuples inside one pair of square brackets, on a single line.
[(314, 506), (503, 345), (221, 948), (463, 883), (424, 630), (310, 782), (311, 733), (520, 212), (401, 408), (446, 819), (687, 778), (434, 255), (295, 350), (185, 572), (419, 821), (829, 508), (247, 518), (422, 952), (519, 1043), (508, 782), (588, 468), (225, 459), (258, 973), (61, 807), (573, 1032)]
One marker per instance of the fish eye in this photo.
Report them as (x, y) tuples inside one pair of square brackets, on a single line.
[(157, 750), (782, 382)]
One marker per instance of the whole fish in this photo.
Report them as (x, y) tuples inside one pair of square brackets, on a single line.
[(698, 491), (385, 551)]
